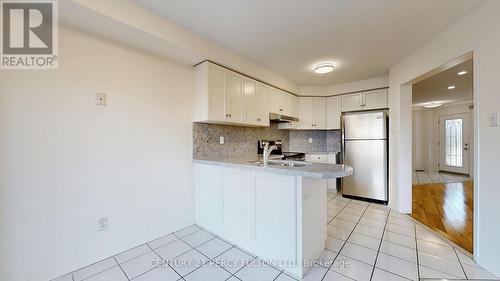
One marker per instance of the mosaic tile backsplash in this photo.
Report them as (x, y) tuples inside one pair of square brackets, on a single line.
[(242, 141), (238, 141)]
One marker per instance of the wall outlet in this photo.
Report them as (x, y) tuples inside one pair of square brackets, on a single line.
[(310, 140), (102, 224), (100, 99), (221, 140), (493, 119)]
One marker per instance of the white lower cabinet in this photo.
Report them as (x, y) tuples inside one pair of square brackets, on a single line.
[(237, 189), (276, 217), (275, 228), (209, 197)]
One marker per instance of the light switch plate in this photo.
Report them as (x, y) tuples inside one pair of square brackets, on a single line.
[(100, 99), (221, 140), (493, 119), (310, 140)]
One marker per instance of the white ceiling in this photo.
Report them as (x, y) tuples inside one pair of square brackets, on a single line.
[(363, 38), (435, 88)]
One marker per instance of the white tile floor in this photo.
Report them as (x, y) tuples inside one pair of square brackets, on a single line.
[(425, 177), (365, 242)]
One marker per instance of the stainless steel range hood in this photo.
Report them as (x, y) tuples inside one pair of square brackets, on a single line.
[(280, 118)]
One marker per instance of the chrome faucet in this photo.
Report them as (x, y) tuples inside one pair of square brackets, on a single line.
[(266, 152)]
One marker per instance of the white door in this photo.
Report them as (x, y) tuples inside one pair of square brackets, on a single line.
[(454, 152)]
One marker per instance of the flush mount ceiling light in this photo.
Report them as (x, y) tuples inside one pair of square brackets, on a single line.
[(433, 105), (323, 68), (451, 87)]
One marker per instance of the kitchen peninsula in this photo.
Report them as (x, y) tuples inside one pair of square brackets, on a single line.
[(277, 212)]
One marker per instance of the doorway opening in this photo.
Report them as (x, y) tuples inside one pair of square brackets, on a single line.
[(442, 152)]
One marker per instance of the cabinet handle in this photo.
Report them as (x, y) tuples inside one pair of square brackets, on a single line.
[(281, 109), (258, 119), (230, 115), (227, 115)]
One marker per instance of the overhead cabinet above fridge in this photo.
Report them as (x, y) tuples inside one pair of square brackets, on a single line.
[(376, 99)]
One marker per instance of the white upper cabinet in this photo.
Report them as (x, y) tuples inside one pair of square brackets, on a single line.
[(210, 94), (255, 99), (283, 103), (225, 97), (262, 104), (352, 102), (312, 113), (234, 95), (319, 113), (250, 102), (333, 113), (305, 113), (376, 99)]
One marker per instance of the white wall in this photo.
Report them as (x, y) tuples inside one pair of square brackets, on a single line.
[(130, 23), (421, 139), (477, 31), (65, 162), (343, 88), (425, 135)]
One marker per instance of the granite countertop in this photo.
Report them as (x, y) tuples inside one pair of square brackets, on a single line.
[(312, 170)]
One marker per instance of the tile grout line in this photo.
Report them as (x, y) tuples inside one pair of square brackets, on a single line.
[(338, 253), (460, 262), (113, 256), (380, 244), (416, 249), (121, 268), (165, 261), (345, 242)]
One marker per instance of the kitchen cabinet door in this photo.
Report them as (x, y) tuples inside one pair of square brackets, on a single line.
[(375, 99), (319, 113), (234, 85), (217, 93), (275, 223), (238, 203), (305, 113), (352, 102), (276, 101), (250, 102), (262, 92), (209, 194), (333, 113), (293, 105)]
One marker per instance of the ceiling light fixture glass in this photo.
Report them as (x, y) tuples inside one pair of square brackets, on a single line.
[(323, 68), (462, 72), (433, 105), (451, 87)]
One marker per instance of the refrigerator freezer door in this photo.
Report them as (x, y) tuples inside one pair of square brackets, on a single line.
[(369, 160), (365, 125)]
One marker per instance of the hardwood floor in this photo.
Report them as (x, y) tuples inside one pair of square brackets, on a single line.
[(447, 209)]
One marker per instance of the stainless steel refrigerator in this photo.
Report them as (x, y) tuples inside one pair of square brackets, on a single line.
[(365, 148)]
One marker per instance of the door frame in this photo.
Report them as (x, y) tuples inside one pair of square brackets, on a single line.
[(466, 169)]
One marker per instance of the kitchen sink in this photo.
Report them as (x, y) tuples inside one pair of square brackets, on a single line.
[(285, 163)]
